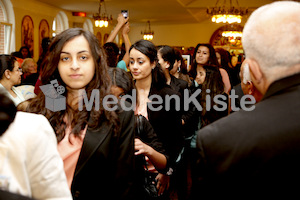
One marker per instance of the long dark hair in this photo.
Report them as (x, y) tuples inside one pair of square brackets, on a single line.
[(213, 82), (148, 49), (100, 81), (211, 61)]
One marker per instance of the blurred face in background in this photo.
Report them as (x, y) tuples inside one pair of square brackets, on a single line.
[(24, 53), (202, 55), (31, 67), (201, 74), (117, 91), (218, 57), (15, 74)]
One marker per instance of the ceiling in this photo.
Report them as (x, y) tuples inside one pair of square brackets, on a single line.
[(157, 11)]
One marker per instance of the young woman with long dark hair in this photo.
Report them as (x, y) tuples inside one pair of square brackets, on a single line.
[(150, 83), (96, 144)]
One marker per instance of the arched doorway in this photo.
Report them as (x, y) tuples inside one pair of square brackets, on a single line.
[(60, 23), (229, 41)]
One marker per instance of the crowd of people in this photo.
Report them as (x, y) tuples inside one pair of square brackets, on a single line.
[(146, 126)]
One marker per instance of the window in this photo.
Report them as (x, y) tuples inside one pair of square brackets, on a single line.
[(5, 37), (5, 30), (88, 25), (60, 23)]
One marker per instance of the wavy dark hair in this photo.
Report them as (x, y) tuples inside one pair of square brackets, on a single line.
[(211, 61), (100, 81), (213, 82), (112, 52), (148, 49)]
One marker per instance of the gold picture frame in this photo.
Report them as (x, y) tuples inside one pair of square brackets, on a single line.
[(43, 33), (27, 34)]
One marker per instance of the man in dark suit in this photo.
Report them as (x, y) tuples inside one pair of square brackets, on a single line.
[(256, 154)]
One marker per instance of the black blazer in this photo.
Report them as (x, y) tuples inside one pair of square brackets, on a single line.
[(105, 168), (167, 124), (178, 85), (254, 153)]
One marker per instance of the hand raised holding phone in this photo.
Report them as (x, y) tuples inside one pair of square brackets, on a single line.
[(125, 13), (122, 20)]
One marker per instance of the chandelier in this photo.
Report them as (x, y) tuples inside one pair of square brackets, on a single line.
[(102, 20), (148, 34), (232, 31), (225, 14), (233, 34)]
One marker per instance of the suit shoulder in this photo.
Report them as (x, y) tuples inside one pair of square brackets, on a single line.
[(228, 124)]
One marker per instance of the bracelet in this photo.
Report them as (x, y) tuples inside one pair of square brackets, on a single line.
[(170, 171)]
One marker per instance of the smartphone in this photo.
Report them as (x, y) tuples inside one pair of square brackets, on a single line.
[(124, 13)]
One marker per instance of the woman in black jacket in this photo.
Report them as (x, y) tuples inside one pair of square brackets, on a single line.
[(147, 145), (155, 104), (95, 141)]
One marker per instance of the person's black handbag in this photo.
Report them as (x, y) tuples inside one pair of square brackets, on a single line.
[(150, 182)]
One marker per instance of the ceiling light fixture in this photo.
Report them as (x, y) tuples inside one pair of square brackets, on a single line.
[(233, 34), (102, 20), (225, 14), (234, 31), (148, 34)]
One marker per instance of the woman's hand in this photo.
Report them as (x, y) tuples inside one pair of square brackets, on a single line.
[(140, 147), (122, 20), (158, 159), (163, 183)]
